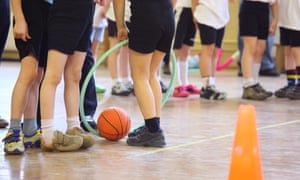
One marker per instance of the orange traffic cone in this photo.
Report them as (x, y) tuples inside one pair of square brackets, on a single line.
[(245, 158)]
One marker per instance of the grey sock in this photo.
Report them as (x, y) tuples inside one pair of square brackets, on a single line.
[(14, 124), (29, 127)]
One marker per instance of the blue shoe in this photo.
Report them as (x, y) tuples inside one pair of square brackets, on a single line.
[(13, 142), (34, 140)]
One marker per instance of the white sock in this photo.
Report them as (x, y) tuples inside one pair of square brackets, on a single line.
[(47, 130), (248, 82), (255, 71), (178, 73), (184, 72), (212, 81), (73, 122), (205, 81)]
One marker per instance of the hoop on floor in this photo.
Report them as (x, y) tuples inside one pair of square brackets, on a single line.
[(94, 68)]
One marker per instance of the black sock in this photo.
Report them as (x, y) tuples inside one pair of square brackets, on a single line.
[(152, 124), (291, 76), (298, 75)]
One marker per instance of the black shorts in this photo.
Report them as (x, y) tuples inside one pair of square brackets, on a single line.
[(254, 19), (36, 15), (112, 28), (289, 37), (151, 25), (185, 28), (210, 35), (70, 25)]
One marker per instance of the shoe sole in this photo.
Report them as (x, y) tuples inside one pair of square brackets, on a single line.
[(257, 99), (31, 144), (121, 94), (150, 143), (16, 151)]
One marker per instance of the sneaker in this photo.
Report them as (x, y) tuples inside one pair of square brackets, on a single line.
[(13, 142), (119, 89), (192, 89), (254, 93), (34, 140), (135, 131), (88, 140), (180, 91), (163, 86), (283, 92), (3, 123), (211, 93), (143, 137), (294, 93), (100, 89), (269, 72), (90, 120), (63, 142), (129, 85), (268, 93)]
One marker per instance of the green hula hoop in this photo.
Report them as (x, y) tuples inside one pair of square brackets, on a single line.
[(94, 68)]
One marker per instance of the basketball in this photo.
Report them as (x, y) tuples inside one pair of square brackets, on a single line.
[(113, 123)]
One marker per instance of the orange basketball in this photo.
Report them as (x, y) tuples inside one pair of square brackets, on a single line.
[(113, 123)]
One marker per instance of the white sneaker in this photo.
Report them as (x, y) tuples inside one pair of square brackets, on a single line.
[(119, 89)]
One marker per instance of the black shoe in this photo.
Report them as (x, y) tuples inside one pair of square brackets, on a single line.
[(211, 93), (163, 87), (283, 92), (90, 120), (269, 72), (294, 93), (143, 137)]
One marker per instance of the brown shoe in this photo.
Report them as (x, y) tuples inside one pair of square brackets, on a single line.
[(88, 140), (63, 142)]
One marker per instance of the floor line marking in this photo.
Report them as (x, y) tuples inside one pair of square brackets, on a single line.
[(215, 138)]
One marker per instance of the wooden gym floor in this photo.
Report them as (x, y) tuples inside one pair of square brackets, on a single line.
[(199, 136)]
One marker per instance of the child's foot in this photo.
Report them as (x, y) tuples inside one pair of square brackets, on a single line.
[(180, 91), (13, 142), (63, 142), (211, 93), (88, 140), (34, 140), (143, 137)]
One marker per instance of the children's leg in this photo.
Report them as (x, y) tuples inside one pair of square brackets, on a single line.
[(184, 64), (205, 63), (124, 63), (248, 56), (13, 141), (154, 81), (140, 65), (53, 75), (113, 59), (27, 74), (72, 76), (55, 67)]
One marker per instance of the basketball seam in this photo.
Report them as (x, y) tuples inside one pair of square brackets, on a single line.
[(114, 127)]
